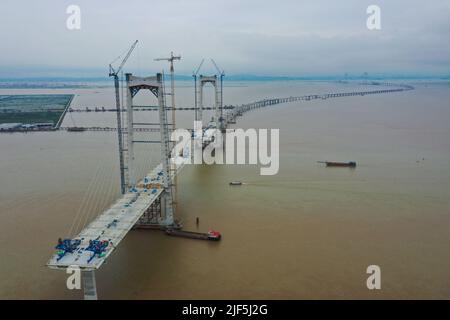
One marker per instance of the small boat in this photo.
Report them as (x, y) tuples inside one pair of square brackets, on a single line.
[(214, 235), (235, 183), (351, 164)]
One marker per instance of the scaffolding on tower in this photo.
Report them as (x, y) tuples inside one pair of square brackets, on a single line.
[(171, 59)]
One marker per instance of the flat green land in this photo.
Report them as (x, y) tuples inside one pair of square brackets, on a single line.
[(33, 108)]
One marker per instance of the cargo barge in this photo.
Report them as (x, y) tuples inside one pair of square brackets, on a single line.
[(76, 129), (350, 164), (210, 235)]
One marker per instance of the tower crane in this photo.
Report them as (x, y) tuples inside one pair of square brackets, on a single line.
[(172, 82), (194, 74), (115, 73), (221, 74), (171, 59)]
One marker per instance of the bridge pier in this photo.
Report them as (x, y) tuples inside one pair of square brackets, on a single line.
[(89, 285)]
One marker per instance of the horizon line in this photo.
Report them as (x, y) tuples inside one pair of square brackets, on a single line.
[(244, 76)]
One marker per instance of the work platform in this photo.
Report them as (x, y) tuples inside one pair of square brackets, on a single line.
[(115, 222)]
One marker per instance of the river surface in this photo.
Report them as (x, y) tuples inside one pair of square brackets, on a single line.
[(307, 232)]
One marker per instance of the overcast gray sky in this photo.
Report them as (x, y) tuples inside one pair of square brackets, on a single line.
[(284, 37)]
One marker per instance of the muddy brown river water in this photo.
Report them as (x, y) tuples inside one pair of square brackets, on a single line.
[(307, 232)]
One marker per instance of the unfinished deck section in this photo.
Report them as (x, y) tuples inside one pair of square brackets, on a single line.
[(115, 222)]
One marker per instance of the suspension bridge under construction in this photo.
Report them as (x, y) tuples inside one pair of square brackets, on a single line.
[(150, 201)]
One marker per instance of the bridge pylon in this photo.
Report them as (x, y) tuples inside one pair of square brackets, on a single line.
[(165, 206)]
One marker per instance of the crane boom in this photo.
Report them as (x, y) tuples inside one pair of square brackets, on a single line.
[(218, 70), (172, 57), (198, 69), (113, 72)]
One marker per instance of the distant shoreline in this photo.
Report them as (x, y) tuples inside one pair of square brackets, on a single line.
[(186, 81)]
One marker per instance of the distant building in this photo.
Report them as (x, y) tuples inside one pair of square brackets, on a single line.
[(28, 126), (44, 125)]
